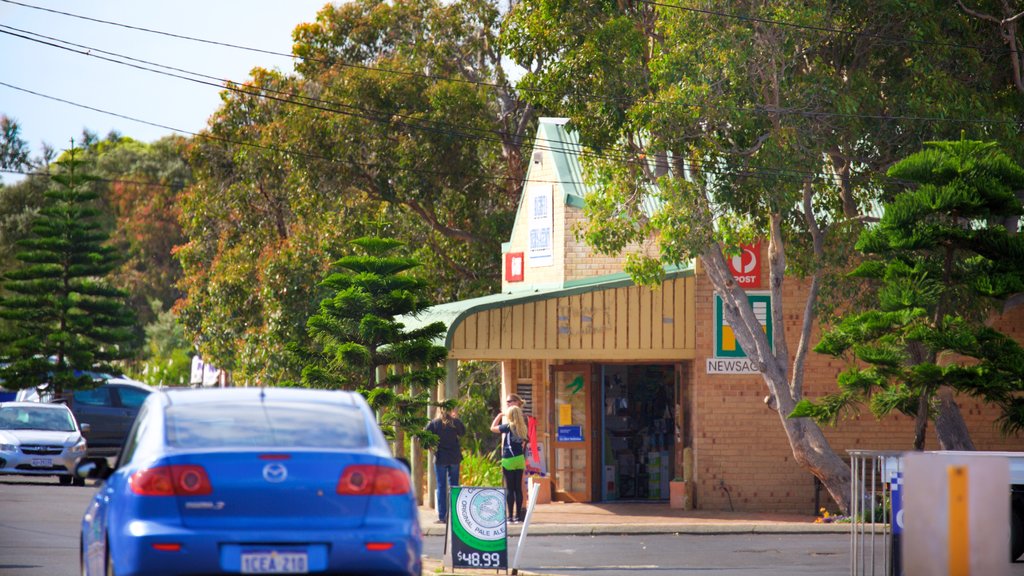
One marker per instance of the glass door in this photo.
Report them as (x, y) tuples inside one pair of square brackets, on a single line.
[(571, 479)]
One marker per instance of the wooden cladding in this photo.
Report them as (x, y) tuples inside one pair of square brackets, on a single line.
[(626, 323)]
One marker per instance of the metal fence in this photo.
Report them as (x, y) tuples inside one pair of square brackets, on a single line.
[(875, 475)]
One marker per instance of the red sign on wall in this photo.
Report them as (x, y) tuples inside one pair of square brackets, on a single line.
[(746, 266), (514, 267)]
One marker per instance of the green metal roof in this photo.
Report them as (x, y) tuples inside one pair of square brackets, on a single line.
[(451, 314)]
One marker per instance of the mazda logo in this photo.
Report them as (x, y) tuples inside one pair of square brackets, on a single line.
[(275, 472)]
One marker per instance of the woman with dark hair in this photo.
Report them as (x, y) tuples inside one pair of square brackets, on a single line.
[(513, 461), (448, 455)]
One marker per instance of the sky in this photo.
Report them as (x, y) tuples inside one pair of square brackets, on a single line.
[(173, 104)]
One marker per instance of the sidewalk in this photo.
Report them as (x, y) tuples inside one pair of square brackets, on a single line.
[(563, 518)]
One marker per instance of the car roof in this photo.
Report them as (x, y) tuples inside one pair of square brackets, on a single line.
[(45, 406), (123, 381), (276, 394)]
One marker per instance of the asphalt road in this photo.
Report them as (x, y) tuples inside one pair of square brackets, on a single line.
[(681, 554), (39, 525)]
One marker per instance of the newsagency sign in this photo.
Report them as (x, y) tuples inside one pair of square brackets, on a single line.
[(729, 355)]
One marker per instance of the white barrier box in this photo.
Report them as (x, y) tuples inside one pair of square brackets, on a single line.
[(955, 514)]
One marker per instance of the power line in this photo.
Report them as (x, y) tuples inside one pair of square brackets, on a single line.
[(822, 29), (319, 104), (257, 50), (287, 151), (96, 179), (752, 109), (446, 129), (753, 172)]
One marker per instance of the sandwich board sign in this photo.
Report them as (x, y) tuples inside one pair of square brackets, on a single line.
[(476, 536)]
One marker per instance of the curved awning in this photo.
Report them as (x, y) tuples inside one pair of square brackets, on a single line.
[(603, 318)]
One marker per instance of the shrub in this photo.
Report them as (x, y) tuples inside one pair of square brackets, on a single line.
[(480, 470)]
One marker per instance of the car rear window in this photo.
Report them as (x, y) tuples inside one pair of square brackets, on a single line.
[(269, 425), (132, 397), (94, 397)]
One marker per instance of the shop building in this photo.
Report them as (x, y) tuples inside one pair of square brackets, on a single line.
[(641, 392)]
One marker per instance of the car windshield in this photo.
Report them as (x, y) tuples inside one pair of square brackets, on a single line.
[(271, 425), (21, 418)]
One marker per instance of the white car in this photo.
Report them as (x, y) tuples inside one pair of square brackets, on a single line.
[(40, 440)]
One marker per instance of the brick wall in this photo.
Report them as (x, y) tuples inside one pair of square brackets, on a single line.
[(742, 458), (580, 260)]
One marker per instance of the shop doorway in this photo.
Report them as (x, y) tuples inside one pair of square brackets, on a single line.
[(571, 471), (638, 404)]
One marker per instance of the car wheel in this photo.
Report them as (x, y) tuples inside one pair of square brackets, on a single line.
[(78, 481), (64, 480)]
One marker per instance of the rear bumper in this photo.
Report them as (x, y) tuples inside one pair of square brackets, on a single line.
[(133, 550)]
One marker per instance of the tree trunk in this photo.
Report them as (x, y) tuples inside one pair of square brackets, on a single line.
[(808, 443), (921, 421), (950, 427), (812, 450)]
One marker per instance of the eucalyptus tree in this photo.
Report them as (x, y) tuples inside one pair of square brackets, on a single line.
[(140, 187), (773, 120), (398, 114), (1004, 18)]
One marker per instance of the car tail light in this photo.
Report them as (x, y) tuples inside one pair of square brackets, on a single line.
[(174, 480), (167, 546), (370, 479), (379, 546)]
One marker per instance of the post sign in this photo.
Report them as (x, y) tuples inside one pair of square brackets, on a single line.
[(729, 356), (476, 536), (746, 266)]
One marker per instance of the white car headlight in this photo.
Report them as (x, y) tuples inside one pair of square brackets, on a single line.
[(8, 447), (79, 447)]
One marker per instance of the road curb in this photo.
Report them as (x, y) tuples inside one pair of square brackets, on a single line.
[(640, 529)]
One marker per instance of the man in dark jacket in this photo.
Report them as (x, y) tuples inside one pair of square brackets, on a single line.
[(448, 456)]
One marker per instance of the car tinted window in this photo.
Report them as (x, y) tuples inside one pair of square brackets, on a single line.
[(95, 397), (132, 397), (290, 425)]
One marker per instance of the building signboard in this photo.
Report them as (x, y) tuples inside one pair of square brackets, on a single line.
[(746, 266), (729, 356), (540, 220)]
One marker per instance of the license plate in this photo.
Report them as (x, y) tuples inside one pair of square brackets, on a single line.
[(274, 562), (42, 462)]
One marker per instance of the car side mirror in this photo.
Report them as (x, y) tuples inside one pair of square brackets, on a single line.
[(84, 427)]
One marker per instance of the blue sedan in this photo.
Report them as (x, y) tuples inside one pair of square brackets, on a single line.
[(253, 481)]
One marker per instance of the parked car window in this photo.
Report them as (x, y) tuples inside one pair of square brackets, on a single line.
[(36, 419), (95, 397), (132, 397), (244, 425)]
